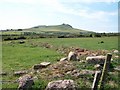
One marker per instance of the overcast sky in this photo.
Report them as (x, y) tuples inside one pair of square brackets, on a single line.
[(93, 15)]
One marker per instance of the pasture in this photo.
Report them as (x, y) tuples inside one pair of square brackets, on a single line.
[(16, 56)]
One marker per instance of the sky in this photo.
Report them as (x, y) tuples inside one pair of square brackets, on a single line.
[(93, 15)]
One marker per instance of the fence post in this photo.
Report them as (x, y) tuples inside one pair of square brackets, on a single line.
[(96, 80), (106, 67)]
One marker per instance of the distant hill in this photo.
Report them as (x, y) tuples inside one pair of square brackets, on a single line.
[(63, 28)]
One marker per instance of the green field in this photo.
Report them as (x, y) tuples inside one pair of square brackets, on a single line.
[(16, 56)]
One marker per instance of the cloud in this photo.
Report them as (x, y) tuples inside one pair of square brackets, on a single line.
[(90, 1), (85, 12), (18, 1), (38, 12)]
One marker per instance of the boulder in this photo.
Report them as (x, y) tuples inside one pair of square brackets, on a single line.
[(116, 51), (25, 82), (96, 59), (45, 64), (64, 59), (18, 73), (72, 56), (41, 65), (61, 85)]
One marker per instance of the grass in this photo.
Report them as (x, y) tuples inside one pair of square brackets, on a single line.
[(110, 43), (11, 33), (17, 56), (23, 57)]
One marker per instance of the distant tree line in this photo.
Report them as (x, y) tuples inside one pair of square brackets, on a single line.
[(33, 35)]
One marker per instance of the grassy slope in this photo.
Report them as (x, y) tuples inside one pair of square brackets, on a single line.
[(89, 43), (56, 28), (24, 56)]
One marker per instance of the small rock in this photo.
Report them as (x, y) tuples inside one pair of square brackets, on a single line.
[(18, 73), (112, 59), (35, 78), (25, 82), (68, 73), (45, 64), (82, 61), (41, 65), (61, 85), (72, 56), (74, 71), (95, 59), (116, 51), (36, 67), (64, 59), (116, 56), (98, 66), (21, 42)]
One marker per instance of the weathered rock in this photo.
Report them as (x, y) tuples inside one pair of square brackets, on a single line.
[(72, 56), (3, 73), (98, 66), (82, 61), (64, 59), (25, 82), (116, 51), (116, 56), (68, 73), (45, 64), (36, 66), (21, 42), (18, 73), (41, 65), (95, 59), (61, 85)]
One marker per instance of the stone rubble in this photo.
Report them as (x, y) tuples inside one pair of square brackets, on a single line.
[(61, 85), (25, 82)]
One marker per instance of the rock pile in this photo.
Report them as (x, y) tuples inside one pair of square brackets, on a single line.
[(61, 85), (25, 82), (58, 69)]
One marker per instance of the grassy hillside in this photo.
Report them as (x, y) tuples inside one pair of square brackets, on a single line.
[(16, 56), (65, 28)]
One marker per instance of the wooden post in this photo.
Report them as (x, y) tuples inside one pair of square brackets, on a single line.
[(96, 80), (105, 70)]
